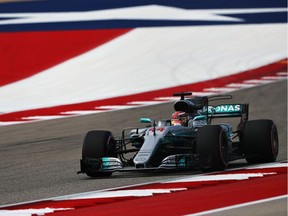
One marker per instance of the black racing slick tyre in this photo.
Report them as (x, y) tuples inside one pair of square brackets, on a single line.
[(212, 148), (260, 141), (98, 144)]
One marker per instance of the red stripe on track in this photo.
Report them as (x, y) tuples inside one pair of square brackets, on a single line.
[(200, 196), (193, 201), (268, 70), (24, 54)]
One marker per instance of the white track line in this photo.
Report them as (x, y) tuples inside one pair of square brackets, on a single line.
[(240, 85), (282, 74), (44, 117), (258, 81), (141, 103), (238, 206), (116, 107), (220, 89), (82, 112), (273, 78)]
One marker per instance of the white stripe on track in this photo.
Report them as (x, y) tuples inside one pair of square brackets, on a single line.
[(114, 69), (238, 206)]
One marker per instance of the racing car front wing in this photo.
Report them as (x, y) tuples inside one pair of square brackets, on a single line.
[(111, 164)]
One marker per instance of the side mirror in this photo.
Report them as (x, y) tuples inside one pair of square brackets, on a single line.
[(199, 118), (145, 120)]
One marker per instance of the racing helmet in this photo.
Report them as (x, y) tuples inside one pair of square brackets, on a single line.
[(179, 118)]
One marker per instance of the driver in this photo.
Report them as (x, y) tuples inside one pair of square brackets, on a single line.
[(180, 118), (188, 119)]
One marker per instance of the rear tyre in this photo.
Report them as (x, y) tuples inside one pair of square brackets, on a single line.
[(260, 141), (98, 144), (212, 147)]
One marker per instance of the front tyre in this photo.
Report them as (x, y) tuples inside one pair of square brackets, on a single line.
[(98, 144), (260, 141), (212, 147)]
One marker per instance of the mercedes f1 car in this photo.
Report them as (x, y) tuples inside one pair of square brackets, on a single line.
[(197, 144)]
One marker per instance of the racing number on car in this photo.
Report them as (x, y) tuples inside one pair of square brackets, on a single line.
[(161, 129)]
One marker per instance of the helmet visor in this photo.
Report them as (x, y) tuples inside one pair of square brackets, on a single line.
[(176, 122)]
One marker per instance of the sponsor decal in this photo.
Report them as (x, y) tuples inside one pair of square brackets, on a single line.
[(227, 108), (161, 129)]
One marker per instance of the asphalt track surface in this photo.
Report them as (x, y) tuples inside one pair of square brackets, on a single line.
[(40, 160)]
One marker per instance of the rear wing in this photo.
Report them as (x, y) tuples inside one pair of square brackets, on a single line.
[(227, 111), (202, 104)]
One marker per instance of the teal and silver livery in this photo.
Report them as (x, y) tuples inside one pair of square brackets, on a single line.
[(191, 141)]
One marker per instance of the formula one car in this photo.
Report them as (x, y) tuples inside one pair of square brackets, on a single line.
[(195, 143)]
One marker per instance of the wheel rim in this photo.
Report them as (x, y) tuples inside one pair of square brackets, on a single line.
[(223, 148), (274, 142)]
